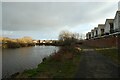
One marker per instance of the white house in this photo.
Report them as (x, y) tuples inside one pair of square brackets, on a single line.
[(109, 26), (92, 33), (88, 35), (117, 22), (95, 32), (101, 29), (34, 41)]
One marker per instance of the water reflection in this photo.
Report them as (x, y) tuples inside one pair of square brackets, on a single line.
[(17, 60)]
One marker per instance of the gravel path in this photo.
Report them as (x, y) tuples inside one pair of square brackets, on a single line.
[(94, 65)]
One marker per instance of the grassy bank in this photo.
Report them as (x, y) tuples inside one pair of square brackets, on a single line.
[(62, 64), (111, 53)]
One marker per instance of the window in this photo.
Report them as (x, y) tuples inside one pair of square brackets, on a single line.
[(111, 28), (102, 32)]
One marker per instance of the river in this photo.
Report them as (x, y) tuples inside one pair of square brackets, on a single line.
[(17, 60)]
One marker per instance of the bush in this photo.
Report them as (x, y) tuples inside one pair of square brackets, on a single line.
[(12, 45)]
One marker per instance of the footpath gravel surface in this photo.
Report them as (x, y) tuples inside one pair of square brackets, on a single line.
[(94, 65)]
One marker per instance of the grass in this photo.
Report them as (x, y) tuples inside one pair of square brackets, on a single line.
[(62, 64), (111, 53)]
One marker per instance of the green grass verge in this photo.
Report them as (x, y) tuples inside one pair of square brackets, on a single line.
[(111, 53), (62, 64)]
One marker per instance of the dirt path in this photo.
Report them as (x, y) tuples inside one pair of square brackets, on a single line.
[(94, 65)]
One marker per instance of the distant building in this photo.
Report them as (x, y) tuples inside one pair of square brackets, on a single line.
[(101, 29), (45, 41), (92, 33), (48, 41), (95, 32), (109, 26), (34, 41), (117, 22)]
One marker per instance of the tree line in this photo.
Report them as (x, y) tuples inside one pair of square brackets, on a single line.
[(16, 43), (65, 38)]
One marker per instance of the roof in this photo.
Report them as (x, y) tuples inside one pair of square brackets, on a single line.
[(95, 28), (92, 30), (109, 20), (118, 12), (101, 25), (89, 32)]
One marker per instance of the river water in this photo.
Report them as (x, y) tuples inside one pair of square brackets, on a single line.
[(17, 60)]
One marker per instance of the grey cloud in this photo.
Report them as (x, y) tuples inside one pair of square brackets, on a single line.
[(48, 16)]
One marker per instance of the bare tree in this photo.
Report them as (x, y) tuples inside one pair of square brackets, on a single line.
[(68, 38)]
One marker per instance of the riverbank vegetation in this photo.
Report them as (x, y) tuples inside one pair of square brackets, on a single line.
[(67, 38), (61, 64), (17, 43)]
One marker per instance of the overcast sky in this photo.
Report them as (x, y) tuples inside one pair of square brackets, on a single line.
[(45, 20)]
